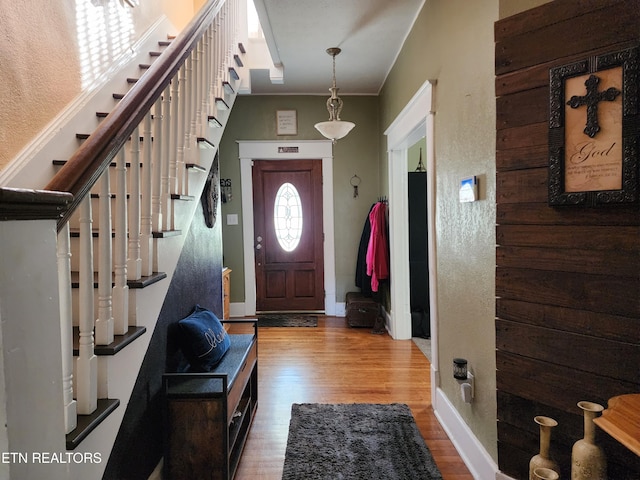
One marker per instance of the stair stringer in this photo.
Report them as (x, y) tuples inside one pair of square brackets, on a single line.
[(121, 370), (33, 168)]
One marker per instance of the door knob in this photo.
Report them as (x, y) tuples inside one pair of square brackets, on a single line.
[(258, 247)]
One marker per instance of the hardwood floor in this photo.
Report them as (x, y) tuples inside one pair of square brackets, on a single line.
[(337, 364)]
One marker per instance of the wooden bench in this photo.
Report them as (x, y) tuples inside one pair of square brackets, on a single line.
[(208, 415)]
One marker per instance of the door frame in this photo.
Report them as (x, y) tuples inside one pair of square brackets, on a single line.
[(250, 150), (414, 122)]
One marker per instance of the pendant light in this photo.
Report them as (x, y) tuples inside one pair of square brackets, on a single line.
[(334, 129)]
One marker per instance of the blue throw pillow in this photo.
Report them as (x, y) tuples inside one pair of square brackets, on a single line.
[(204, 340)]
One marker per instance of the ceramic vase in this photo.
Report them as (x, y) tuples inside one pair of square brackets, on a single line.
[(545, 474), (542, 459), (588, 461)]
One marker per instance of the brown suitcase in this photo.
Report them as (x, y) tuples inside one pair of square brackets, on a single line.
[(362, 311)]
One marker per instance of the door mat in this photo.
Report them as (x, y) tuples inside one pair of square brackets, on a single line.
[(287, 320), (356, 441)]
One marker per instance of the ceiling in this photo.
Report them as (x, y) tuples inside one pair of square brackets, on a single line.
[(298, 32)]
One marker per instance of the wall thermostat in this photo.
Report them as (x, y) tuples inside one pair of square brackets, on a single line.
[(469, 189)]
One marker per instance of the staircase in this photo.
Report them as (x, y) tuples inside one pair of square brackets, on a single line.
[(110, 223)]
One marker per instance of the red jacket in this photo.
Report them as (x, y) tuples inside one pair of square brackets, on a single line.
[(378, 251)]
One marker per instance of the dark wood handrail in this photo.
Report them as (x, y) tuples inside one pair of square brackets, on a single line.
[(25, 204), (85, 166)]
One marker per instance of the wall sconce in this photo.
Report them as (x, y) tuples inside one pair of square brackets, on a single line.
[(464, 378), (225, 190)]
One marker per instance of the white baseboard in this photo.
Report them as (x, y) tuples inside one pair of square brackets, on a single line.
[(473, 454), (502, 476), (237, 309), (157, 472)]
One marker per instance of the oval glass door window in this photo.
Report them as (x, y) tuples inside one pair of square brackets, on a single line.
[(287, 217)]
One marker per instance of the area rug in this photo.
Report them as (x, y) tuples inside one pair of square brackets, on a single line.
[(356, 441), (287, 320)]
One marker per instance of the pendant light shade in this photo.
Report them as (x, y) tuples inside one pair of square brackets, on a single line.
[(334, 129)]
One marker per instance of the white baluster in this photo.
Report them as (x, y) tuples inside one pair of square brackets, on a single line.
[(156, 189), (66, 328), (190, 138), (198, 87), (121, 289), (182, 115), (202, 98), (206, 96), (220, 54), (175, 129), (104, 322), (215, 59), (87, 362), (193, 100), (134, 261), (188, 89), (165, 195), (146, 218), (229, 34)]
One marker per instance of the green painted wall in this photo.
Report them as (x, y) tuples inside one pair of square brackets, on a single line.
[(416, 152), (253, 118), (452, 43)]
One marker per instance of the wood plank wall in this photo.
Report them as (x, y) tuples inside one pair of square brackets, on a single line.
[(567, 279)]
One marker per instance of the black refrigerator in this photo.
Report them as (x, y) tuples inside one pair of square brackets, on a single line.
[(418, 255)]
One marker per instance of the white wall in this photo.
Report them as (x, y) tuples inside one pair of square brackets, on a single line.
[(30, 331)]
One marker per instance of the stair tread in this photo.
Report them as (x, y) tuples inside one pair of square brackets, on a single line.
[(88, 423), (176, 196), (112, 164), (214, 121), (167, 233), (204, 142), (75, 232), (220, 103), (228, 88), (84, 136), (195, 166), (143, 282), (119, 341)]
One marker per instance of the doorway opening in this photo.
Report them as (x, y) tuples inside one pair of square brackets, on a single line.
[(287, 209), (250, 151), (416, 121)]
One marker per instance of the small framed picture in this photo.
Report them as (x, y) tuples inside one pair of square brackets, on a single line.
[(286, 122)]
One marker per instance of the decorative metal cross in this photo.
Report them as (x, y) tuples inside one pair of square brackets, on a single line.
[(591, 100)]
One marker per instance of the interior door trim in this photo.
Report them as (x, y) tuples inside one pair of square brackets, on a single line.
[(415, 121), (250, 150)]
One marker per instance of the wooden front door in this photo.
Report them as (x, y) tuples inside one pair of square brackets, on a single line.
[(287, 205)]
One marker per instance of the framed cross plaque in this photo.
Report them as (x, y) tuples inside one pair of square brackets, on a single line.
[(594, 124)]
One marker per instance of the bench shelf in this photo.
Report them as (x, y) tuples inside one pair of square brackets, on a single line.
[(208, 415)]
